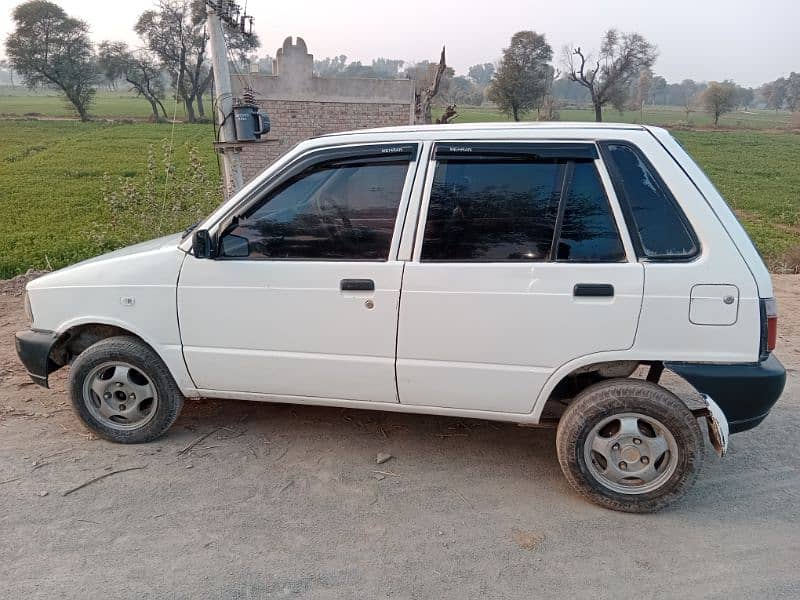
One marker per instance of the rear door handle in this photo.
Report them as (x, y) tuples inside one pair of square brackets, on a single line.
[(602, 290), (357, 285)]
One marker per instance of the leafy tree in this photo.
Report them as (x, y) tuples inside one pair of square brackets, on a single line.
[(175, 32), (793, 92), (719, 98), (774, 93), (622, 56), (523, 75), (50, 48), (117, 61), (482, 74)]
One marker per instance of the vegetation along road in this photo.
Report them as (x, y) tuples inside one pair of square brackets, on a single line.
[(63, 181)]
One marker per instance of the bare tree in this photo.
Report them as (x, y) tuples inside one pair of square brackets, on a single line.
[(719, 98), (621, 57), (48, 47), (423, 98), (643, 87), (117, 61)]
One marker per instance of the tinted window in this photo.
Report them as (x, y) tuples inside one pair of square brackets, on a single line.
[(659, 229), (327, 212), (588, 230), (492, 211)]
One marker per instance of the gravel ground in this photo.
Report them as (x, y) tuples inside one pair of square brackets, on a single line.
[(287, 501)]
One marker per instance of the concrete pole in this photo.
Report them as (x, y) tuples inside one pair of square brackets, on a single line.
[(224, 101)]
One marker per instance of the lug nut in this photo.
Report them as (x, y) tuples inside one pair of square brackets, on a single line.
[(623, 466), (615, 447), (119, 384), (637, 441), (131, 397), (122, 407), (645, 460), (107, 395)]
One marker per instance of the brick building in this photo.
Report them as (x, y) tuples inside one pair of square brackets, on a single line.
[(301, 105)]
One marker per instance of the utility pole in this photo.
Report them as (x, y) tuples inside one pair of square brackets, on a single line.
[(224, 97)]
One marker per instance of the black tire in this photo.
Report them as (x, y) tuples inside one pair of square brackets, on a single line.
[(141, 357), (599, 402)]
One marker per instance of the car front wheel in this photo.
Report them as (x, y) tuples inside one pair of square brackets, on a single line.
[(123, 391), (629, 445)]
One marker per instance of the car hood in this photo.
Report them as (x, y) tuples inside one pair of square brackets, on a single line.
[(154, 262)]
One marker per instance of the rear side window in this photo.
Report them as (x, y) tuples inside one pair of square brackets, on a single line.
[(529, 202), (492, 211), (657, 225)]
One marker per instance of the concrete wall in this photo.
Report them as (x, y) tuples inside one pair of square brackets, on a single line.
[(302, 106)]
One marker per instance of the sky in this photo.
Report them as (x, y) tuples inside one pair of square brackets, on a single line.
[(749, 41)]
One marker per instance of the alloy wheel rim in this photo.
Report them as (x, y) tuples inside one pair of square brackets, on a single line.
[(120, 396), (631, 453)]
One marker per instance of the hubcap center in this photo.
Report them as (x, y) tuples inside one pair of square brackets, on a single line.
[(630, 454)]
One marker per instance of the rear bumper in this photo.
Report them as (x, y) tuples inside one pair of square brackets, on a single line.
[(33, 348), (744, 392)]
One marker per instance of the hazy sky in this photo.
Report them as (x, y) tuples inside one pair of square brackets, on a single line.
[(747, 40)]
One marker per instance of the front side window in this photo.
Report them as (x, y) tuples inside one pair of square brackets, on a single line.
[(332, 211), (658, 227), (492, 211)]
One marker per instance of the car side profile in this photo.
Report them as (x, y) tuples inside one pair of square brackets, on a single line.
[(529, 273)]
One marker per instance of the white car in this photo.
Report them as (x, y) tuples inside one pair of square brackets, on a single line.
[(517, 273)]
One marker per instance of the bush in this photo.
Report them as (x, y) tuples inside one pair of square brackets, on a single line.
[(165, 201)]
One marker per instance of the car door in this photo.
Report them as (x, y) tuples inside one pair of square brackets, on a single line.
[(302, 296), (518, 267)]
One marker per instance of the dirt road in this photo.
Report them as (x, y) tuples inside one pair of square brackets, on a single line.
[(284, 501)]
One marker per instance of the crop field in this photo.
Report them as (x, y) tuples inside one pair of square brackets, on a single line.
[(653, 115), (55, 176)]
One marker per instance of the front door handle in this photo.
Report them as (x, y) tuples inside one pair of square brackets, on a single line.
[(357, 285), (598, 290)]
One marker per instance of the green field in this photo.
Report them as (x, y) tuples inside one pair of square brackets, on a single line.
[(52, 180), (21, 102), (653, 115), (52, 176)]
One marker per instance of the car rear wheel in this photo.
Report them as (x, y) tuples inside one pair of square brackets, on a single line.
[(123, 391), (629, 445)]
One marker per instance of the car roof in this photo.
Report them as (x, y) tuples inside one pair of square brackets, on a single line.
[(499, 127), (488, 131)]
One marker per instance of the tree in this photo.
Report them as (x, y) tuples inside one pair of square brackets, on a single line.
[(523, 75), (622, 56), (482, 74), (50, 48), (175, 32), (643, 87), (117, 61), (719, 98), (774, 93), (428, 79), (793, 92)]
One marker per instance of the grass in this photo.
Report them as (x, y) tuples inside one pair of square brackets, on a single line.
[(21, 102), (52, 174), (52, 181)]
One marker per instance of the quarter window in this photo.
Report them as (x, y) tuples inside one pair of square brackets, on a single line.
[(658, 227), (328, 212)]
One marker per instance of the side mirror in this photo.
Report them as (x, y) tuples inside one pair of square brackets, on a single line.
[(202, 244)]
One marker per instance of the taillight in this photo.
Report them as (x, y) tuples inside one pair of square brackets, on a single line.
[(771, 313)]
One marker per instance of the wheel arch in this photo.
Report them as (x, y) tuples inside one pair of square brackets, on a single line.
[(74, 337)]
